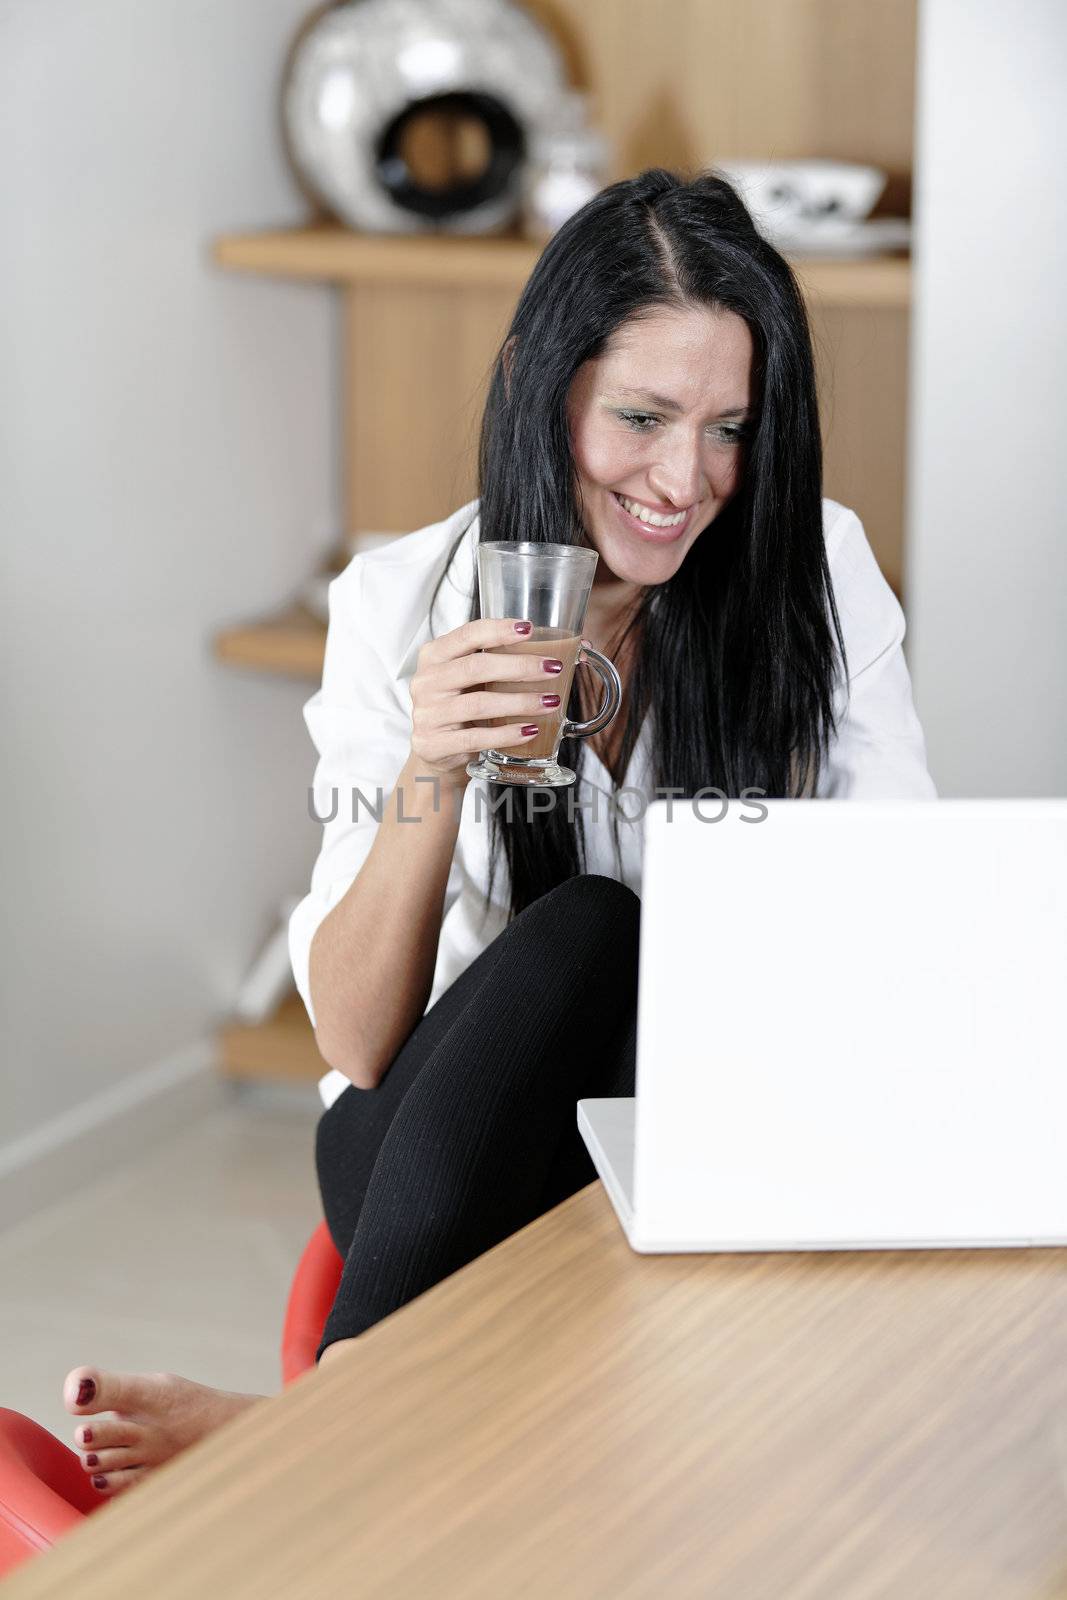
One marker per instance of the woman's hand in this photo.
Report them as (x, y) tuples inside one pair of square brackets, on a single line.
[(450, 711)]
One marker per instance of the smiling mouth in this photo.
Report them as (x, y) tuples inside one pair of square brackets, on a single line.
[(663, 530), (654, 519)]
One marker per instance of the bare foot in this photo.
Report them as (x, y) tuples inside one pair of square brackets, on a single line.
[(134, 1421)]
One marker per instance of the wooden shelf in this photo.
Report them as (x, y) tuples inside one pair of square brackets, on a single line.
[(338, 255), (283, 1047), (290, 643)]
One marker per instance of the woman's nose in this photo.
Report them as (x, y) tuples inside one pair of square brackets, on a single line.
[(677, 477)]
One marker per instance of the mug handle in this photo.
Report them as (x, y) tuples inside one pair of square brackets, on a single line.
[(587, 656)]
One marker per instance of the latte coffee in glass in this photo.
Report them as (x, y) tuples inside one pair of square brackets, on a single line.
[(548, 585)]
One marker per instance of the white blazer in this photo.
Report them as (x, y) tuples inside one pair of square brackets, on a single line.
[(360, 724)]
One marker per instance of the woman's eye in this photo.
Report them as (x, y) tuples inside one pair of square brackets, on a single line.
[(644, 422)]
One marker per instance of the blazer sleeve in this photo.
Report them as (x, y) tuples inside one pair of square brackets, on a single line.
[(879, 751), (361, 729)]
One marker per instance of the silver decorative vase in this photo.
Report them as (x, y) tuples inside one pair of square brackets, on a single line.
[(364, 71)]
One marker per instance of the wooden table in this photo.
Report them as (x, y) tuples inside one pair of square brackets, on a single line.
[(565, 1419)]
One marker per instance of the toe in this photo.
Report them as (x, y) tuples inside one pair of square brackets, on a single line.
[(105, 1461), (81, 1389), (107, 1430), (112, 1483), (88, 1389)]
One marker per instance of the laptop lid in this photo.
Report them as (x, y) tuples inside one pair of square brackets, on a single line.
[(851, 1024)]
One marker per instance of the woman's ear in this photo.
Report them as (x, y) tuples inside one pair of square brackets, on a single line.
[(509, 358)]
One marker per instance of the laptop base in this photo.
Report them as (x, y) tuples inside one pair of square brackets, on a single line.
[(608, 1128)]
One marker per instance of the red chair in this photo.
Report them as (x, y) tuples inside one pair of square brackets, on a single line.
[(44, 1489), (312, 1294)]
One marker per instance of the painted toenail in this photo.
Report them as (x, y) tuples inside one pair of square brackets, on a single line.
[(86, 1391), (99, 1481), (92, 1461), (87, 1436)]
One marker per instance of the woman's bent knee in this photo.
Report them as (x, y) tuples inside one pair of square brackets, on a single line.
[(586, 910), (591, 891)]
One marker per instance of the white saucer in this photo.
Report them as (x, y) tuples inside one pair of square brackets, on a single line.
[(834, 236)]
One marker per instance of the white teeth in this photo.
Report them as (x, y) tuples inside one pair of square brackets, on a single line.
[(653, 518)]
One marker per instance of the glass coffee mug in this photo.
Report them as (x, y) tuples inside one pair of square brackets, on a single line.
[(549, 585)]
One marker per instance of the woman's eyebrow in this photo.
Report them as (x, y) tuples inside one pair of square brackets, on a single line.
[(666, 404)]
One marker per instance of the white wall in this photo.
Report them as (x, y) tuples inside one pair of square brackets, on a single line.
[(987, 551), (167, 463)]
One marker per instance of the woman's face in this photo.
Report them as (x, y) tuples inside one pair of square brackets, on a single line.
[(657, 424)]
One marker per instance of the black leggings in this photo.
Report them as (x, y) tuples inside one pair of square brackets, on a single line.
[(472, 1132)]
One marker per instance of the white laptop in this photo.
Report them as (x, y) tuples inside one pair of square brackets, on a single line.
[(852, 1029)]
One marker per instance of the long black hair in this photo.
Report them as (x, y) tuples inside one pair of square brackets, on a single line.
[(736, 651)]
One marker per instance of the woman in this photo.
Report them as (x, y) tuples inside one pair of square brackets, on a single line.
[(471, 975)]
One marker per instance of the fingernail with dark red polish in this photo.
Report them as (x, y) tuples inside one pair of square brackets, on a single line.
[(550, 699), (92, 1461), (86, 1391), (87, 1436), (99, 1481), (523, 627), (530, 727), (550, 664)]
